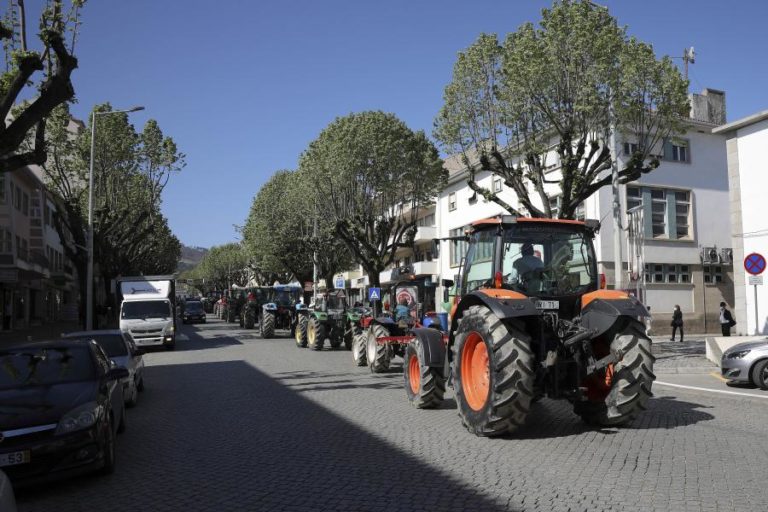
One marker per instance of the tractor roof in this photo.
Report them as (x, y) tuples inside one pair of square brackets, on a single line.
[(511, 219)]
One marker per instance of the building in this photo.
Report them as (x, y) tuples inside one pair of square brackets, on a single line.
[(747, 150)]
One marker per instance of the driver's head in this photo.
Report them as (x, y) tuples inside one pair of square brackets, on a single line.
[(527, 249)]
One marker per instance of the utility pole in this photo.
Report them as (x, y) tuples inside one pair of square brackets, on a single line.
[(688, 56), (618, 263)]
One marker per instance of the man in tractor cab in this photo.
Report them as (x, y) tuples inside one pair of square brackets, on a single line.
[(402, 311), (528, 267)]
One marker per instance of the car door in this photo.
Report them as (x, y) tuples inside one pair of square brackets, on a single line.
[(135, 360), (113, 388)]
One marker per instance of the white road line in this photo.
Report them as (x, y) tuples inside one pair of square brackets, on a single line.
[(765, 397)]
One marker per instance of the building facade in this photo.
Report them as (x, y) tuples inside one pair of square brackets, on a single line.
[(747, 149)]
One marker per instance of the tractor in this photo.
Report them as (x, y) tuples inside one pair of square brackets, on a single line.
[(251, 308), (282, 310), (532, 318), (388, 334), (330, 318)]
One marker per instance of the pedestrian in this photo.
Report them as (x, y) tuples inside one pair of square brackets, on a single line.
[(726, 320), (677, 323)]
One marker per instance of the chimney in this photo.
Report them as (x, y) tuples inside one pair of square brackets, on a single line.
[(709, 106)]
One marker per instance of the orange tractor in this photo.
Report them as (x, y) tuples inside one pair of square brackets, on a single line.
[(530, 319)]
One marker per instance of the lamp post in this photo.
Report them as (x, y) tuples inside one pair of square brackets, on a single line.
[(89, 276)]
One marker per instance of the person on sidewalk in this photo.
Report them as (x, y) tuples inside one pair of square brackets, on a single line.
[(677, 323), (726, 320)]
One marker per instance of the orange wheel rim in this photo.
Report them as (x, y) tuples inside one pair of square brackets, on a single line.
[(414, 374), (609, 376), (475, 371)]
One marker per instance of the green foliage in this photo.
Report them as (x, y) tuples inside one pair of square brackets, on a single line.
[(547, 95), (372, 175), (222, 266)]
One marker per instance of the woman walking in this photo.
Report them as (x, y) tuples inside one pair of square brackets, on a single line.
[(677, 323)]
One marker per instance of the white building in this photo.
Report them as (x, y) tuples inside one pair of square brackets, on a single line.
[(747, 147)]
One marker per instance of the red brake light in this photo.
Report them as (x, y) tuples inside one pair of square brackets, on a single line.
[(603, 286), (497, 280)]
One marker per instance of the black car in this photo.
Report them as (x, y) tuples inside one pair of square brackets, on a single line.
[(193, 312), (61, 406)]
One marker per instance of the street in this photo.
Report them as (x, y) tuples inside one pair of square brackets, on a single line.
[(231, 422)]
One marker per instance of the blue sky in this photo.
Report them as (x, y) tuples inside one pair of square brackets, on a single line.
[(244, 86)]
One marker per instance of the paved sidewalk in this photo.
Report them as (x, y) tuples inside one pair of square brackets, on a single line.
[(39, 332), (686, 357)]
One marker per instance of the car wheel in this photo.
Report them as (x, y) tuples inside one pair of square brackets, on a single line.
[(134, 396), (121, 427), (760, 374), (140, 385)]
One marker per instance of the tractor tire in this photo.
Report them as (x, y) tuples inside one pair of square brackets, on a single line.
[(268, 325), (241, 319), (335, 342), (315, 334), (358, 348), (230, 316), (301, 331), (249, 319), (493, 373), (349, 338), (627, 383), (378, 356), (424, 385)]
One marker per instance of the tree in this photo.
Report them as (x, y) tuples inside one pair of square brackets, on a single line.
[(221, 267), (374, 175), (556, 91), (56, 61)]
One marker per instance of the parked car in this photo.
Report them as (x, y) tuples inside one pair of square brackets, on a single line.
[(62, 409), (121, 349), (7, 498), (747, 363), (193, 312)]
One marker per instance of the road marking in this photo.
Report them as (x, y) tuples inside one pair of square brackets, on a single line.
[(694, 388), (718, 376)]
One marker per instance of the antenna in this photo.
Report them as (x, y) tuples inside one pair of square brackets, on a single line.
[(688, 56)]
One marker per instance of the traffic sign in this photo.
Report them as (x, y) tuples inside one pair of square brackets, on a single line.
[(374, 293), (756, 280), (754, 263), (338, 283)]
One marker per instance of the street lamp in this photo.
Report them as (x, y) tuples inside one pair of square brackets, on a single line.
[(89, 277)]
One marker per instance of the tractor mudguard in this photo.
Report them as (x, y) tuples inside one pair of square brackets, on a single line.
[(434, 348), (321, 316), (503, 303), (270, 306), (601, 314)]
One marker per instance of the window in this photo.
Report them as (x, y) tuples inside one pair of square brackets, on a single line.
[(479, 262), (427, 220), (458, 247), (25, 204), (677, 150), (634, 198), (630, 148), (554, 206), (669, 215), (682, 213), (6, 241), (659, 273), (451, 201), (658, 212), (2, 188), (16, 197), (497, 184), (713, 274)]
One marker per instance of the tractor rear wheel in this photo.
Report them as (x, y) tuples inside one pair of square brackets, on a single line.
[(301, 331), (358, 348), (424, 385), (377, 355), (349, 336), (315, 334), (623, 389), (268, 325), (493, 373), (250, 318)]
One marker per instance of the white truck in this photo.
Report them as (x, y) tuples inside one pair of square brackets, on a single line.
[(148, 310)]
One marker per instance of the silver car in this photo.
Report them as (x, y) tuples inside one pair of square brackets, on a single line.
[(747, 363), (121, 349)]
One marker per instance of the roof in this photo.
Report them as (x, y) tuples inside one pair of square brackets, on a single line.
[(60, 343), (86, 334), (741, 123), (500, 220)]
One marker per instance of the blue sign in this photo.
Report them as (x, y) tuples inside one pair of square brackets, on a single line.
[(339, 283), (754, 264), (374, 293)]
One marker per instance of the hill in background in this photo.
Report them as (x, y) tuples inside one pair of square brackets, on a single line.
[(190, 257)]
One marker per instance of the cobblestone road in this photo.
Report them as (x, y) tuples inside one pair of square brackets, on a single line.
[(230, 422)]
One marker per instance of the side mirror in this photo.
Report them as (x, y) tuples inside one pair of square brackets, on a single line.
[(117, 373), (139, 352), (448, 283)]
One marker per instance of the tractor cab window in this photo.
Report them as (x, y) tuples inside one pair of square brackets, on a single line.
[(337, 301), (479, 264), (284, 298), (540, 261)]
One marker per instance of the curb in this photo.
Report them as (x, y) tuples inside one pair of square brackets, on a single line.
[(688, 369)]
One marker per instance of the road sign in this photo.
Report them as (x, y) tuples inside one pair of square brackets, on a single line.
[(338, 283), (754, 263), (756, 280), (374, 293)]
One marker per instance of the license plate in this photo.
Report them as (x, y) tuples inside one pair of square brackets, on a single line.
[(547, 304), (14, 458)]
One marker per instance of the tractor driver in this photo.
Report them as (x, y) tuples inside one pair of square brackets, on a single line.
[(527, 267), (402, 311)]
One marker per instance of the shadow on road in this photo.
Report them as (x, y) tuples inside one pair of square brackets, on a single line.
[(225, 436)]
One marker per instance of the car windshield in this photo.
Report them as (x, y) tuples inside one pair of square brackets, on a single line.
[(145, 309), (547, 261), (113, 344), (193, 307), (30, 366)]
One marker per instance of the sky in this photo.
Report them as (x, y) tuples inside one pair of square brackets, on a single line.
[(244, 86)]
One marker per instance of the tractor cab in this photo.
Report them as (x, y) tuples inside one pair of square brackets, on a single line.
[(333, 303)]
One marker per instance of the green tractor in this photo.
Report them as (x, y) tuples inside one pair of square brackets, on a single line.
[(250, 311), (331, 318)]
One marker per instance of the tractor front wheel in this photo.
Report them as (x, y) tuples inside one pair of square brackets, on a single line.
[(378, 355), (250, 318), (493, 373), (358, 349), (315, 334), (268, 325), (424, 385), (301, 331), (617, 395)]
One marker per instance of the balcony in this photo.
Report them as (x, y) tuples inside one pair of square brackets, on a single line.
[(425, 234), (425, 268)]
